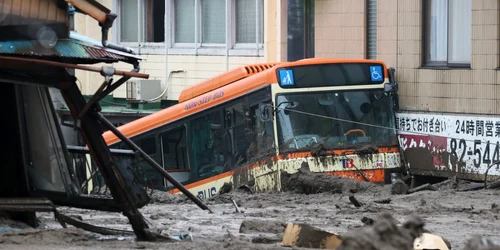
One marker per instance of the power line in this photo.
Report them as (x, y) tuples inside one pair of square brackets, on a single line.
[(379, 126)]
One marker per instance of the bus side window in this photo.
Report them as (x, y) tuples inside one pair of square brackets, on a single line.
[(173, 145), (148, 145), (206, 154), (235, 140), (262, 134)]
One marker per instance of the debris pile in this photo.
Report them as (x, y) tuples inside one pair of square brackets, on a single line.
[(262, 226), (165, 197), (384, 234), (307, 182), (480, 243), (7, 224)]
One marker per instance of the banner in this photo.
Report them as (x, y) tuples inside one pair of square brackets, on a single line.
[(459, 143)]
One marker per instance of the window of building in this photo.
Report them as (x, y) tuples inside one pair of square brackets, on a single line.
[(300, 21), (249, 13), (447, 32), (193, 25), (142, 21)]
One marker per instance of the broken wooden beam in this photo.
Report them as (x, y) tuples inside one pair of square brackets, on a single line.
[(426, 186), (303, 235), (236, 206), (354, 201), (88, 227), (383, 201)]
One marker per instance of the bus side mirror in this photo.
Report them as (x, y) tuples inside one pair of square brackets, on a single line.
[(392, 86), (266, 112)]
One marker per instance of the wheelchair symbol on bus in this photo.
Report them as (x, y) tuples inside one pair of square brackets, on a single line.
[(376, 73)]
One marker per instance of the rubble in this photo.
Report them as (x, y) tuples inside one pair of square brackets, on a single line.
[(494, 185), (383, 201), (384, 234), (262, 239), (399, 187), (426, 186), (158, 196), (480, 243), (354, 201), (447, 212), (307, 182), (7, 224), (304, 235), (262, 226)]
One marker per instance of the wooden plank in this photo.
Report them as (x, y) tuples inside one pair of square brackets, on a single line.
[(303, 235), (9, 10), (57, 14), (16, 12), (44, 10), (34, 9), (52, 10), (25, 11), (62, 16), (3, 12)]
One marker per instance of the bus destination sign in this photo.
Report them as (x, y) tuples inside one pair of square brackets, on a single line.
[(331, 75)]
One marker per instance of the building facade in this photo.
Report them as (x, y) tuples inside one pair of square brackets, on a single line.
[(188, 41), (446, 56), (445, 52)]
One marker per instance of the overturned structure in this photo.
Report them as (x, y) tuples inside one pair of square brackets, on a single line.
[(38, 58)]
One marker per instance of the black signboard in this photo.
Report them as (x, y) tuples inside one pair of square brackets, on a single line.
[(330, 75)]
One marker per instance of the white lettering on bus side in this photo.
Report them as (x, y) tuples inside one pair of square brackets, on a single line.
[(204, 99), (208, 193)]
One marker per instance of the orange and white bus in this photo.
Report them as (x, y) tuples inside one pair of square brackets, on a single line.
[(246, 126)]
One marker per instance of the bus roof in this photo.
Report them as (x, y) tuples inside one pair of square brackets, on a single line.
[(216, 90), (222, 80)]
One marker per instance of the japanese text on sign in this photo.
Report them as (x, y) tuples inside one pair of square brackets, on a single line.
[(473, 141)]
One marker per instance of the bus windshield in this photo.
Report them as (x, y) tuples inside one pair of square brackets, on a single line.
[(341, 119)]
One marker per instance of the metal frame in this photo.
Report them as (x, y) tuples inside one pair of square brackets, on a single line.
[(88, 121)]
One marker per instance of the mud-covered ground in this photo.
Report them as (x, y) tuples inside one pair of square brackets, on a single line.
[(457, 216)]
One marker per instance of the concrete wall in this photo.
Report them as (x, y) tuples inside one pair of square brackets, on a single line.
[(197, 67), (340, 32), (455, 110), (471, 90), (340, 28)]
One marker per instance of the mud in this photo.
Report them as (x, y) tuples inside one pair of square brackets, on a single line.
[(63, 237), (7, 224), (164, 197), (454, 215), (480, 243), (399, 187), (306, 182), (263, 226)]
